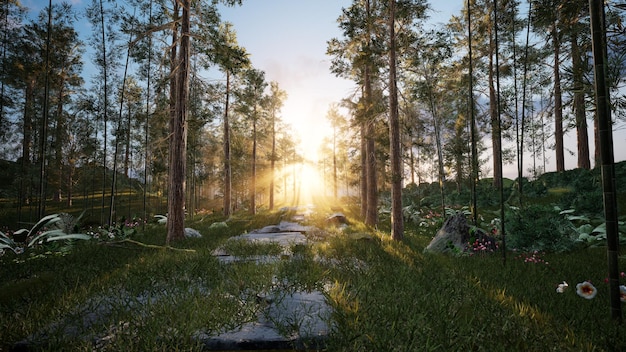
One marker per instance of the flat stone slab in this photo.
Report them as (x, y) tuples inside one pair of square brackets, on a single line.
[(282, 238), (284, 226), (295, 320)]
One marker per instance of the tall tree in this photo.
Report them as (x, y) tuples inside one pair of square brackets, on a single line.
[(231, 59), (276, 99), (178, 128), (397, 225), (251, 105), (546, 20)]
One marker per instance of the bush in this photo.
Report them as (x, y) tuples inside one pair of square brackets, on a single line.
[(538, 227)]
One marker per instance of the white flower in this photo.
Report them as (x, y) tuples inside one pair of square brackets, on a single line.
[(18, 250), (561, 288), (586, 290), (622, 293)]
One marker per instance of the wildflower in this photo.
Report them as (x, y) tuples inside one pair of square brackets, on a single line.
[(586, 290), (561, 288), (622, 293), (18, 250)]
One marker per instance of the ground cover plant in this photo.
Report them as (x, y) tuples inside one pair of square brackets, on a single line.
[(124, 290)]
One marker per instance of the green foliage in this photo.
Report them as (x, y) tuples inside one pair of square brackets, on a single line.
[(385, 295), (50, 228), (538, 227)]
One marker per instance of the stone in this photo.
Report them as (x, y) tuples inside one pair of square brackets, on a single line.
[(295, 320), (218, 225), (337, 219), (452, 237), (192, 233)]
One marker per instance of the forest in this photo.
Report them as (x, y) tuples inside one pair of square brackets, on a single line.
[(132, 115), (491, 86)]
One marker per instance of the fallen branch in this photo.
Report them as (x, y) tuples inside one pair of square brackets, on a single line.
[(153, 246)]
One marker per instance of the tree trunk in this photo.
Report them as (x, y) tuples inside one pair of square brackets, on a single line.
[(253, 180), (371, 214), (363, 163), (58, 146), (178, 138), (558, 103), (273, 161), (227, 166), (579, 106), (397, 225), (27, 141), (493, 114)]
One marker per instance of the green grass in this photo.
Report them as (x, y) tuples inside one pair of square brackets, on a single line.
[(386, 296)]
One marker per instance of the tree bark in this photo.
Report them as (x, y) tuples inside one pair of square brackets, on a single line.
[(227, 166), (397, 224), (579, 106), (558, 103), (178, 137)]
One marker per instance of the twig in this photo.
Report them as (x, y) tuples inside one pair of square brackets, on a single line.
[(151, 245)]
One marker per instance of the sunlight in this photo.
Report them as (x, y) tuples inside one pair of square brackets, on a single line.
[(310, 183)]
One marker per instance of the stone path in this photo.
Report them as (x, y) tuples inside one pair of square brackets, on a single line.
[(291, 320)]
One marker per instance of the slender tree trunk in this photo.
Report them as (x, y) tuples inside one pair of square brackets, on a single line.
[(473, 132), (27, 140), (57, 175), (127, 144), (44, 125), (397, 224), (335, 182), (579, 106), (493, 113), (363, 170), (105, 115), (178, 138), (273, 161), (146, 126), (227, 164), (558, 102), (253, 180)]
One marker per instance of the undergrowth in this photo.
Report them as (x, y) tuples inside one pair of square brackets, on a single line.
[(385, 295)]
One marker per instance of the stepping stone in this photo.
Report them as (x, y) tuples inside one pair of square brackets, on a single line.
[(295, 320)]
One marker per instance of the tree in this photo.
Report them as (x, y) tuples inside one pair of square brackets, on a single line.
[(251, 104), (397, 226), (359, 57), (275, 102), (231, 59), (546, 20)]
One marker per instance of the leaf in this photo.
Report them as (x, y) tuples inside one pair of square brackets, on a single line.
[(73, 236), (601, 229), (45, 234), (585, 229), (46, 220)]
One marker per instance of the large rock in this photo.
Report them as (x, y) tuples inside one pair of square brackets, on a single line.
[(452, 237)]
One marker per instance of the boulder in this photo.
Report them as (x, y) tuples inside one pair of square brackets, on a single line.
[(452, 237), (192, 233), (337, 219)]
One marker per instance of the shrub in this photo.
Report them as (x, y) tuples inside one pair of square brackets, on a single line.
[(538, 227)]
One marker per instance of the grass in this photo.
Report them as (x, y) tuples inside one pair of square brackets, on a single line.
[(385, 295)]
